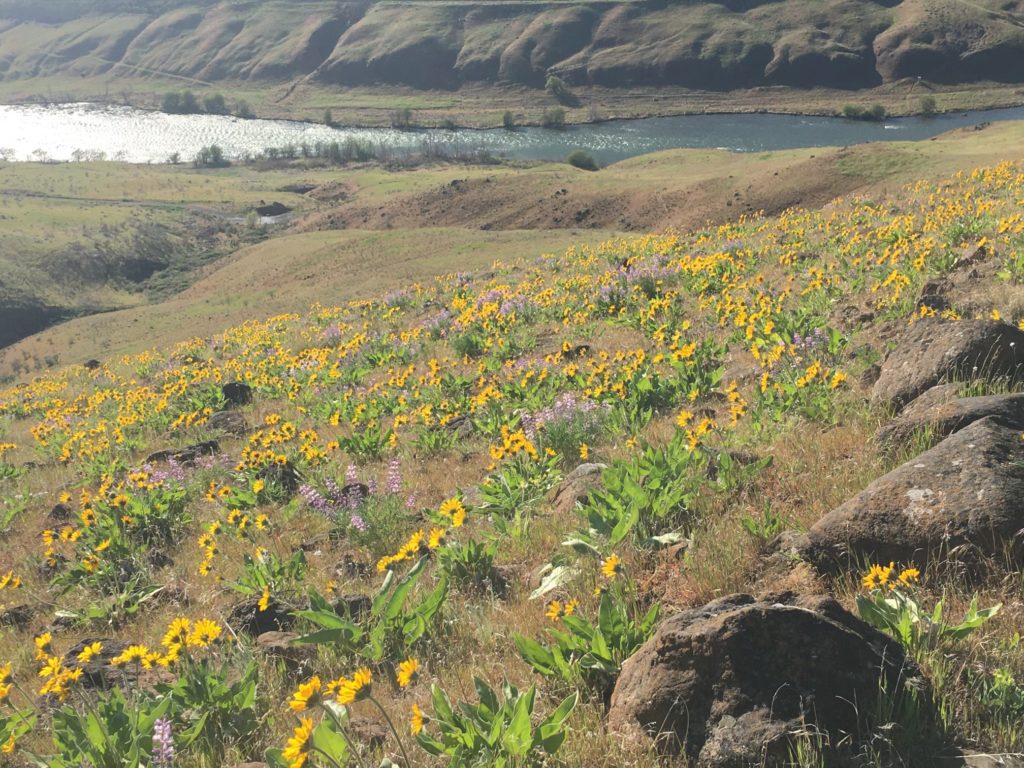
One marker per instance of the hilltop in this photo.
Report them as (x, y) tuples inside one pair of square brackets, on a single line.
[(295, 56), (514, 504)]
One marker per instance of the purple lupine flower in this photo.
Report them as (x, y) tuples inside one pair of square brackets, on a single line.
[(371, 486), (163, 743), (335, 491), (357, 522), (393, 481), (351, 474), (314, 500), (410, 503), (353, 499)]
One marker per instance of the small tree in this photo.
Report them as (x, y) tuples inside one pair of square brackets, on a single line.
[(243, 110), (189, 103), (554, 118), (171, 103), (215, 104), (401, 118), (928, 106), (210, 157), (328, 118), (174, 158), (875, 112), (557, 87), (508, 120)]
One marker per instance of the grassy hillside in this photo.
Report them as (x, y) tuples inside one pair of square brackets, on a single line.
[(716, 372), (270, 53), (76, 228)]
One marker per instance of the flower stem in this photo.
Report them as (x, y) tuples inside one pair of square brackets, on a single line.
[(391, 725)]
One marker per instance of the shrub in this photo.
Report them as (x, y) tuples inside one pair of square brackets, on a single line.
[(874, 113), (401, 118), (214, 104), (508, 120), (583, 160), (556, 87), (171, 103), (928, 106), (328, 118), (184, 103), (553, 118), (244, 111), (211, 157), (189, 103)]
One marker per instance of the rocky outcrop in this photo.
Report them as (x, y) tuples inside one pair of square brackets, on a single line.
[(935, 351), (731, 683), (964, 497)]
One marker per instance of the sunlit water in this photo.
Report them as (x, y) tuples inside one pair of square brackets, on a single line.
[(84, 131)]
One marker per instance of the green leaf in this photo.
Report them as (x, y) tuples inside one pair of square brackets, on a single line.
[(536, 655), (330, 741), (394, 605), (563, 710), (321, 618), (518, 737), (442, 704)]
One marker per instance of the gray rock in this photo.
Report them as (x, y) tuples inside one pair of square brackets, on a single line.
[(935, 351), (229, 422), (730, 683), (575, 487), (967, 490), (941, 412)]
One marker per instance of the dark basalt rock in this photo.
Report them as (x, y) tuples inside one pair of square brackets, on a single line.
[(285, 476), (575, 487), (186, 456), (246, 617), (964, 496), (728, 684), (17, 616), (940, 412), (935, 351), (237, 393), (229, 422)]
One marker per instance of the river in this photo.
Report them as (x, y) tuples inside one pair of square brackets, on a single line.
[(86, 131)]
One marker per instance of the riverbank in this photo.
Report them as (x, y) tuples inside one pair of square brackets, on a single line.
[(94, 132), (485, 106)]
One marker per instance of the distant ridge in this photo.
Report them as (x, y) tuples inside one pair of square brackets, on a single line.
[(847, 44)]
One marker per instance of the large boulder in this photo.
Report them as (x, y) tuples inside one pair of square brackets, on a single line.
[(941, 412), (936, 351), (731, 683), (967, 490)]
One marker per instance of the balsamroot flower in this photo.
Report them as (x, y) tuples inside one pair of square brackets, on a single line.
[(306, 696), (408, 672), (297, 750)]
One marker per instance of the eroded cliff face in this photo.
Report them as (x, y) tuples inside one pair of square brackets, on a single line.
[(707, 45)]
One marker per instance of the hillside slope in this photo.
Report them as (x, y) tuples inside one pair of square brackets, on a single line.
[(426, 219), (562, 485), (706, 45)]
